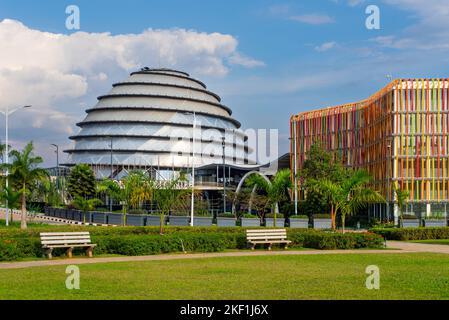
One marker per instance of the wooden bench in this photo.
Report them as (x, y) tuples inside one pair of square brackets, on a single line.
[(69, 240), (267, 236)]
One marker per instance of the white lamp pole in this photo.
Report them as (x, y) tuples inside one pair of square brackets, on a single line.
[(193, 170), (6, 159)]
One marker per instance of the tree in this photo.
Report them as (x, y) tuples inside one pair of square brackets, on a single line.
[(401, 199), (85, 205), (167, 195), (11, 197), (81, 182), (131, 191), (260, 203), (47, 191), (24, 173), (277, 190), (349, 196), (319, 165)]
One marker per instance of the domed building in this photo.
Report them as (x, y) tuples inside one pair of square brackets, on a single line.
[(162, 120)]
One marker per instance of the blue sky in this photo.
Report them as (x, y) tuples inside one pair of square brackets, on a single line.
[(267, 59)]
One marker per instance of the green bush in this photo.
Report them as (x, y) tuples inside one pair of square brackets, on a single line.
[(271, 215), (322, 216), (330, 241), (248, 215), (301, 216), (16, 244), (226, 215), (133, 245), (137, 211), (405, 234)]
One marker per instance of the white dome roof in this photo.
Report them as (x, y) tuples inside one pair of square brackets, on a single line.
[(149, 118)]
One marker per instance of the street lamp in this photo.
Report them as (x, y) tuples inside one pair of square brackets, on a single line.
[(6, 159), (112, 173), (57, 165), (193, 166), (223, 144)]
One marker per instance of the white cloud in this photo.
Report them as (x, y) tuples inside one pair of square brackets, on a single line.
[(279, 9), (53, 72), (429, 32), (314, 19), (245, 61), (353, 3), (325, 46)]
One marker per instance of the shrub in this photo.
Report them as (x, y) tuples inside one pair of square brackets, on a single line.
[(271, 215), (248, 215), (226, 215), (330, 240), (301, 216), (137, 211), (17, 244), (322, 216), (405, 234)]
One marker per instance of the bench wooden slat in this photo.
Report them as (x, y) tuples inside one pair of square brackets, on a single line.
[(69, 240), (264, 230), (64, 233), (75, 245), (66, 238), (274, 241), (66, 242), (267, 236)]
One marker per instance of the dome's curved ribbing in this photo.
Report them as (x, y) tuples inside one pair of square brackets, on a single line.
[(149, 119)]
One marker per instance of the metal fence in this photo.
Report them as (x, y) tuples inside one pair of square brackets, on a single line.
[(110, 218)]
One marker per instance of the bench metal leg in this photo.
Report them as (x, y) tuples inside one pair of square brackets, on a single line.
[(48, 252), (89, 252), (69, 252)]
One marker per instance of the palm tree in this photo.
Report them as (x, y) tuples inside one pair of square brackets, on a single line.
[(401, 198), (132, 191), (350, 196), (85, 205), (168, 195), (24, 173), (8, 195), (276, 190), (329, 191)]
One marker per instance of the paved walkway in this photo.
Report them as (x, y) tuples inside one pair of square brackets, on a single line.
[(393, 246), (418, 247), (16, 216), (162, 257)]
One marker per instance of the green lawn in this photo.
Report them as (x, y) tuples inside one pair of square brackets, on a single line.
[(403, 276)]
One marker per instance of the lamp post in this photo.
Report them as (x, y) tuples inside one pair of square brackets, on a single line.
[(6, 159), (57, 165), (193, 167), (388, 178), (112, 172), (223, 144)]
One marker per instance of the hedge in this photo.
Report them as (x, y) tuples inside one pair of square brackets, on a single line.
[(420, 233), (16, 244)]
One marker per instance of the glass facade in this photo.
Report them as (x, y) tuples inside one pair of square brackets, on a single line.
[(399, 135)]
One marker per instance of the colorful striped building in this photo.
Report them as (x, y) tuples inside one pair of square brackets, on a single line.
[(399, 134)]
